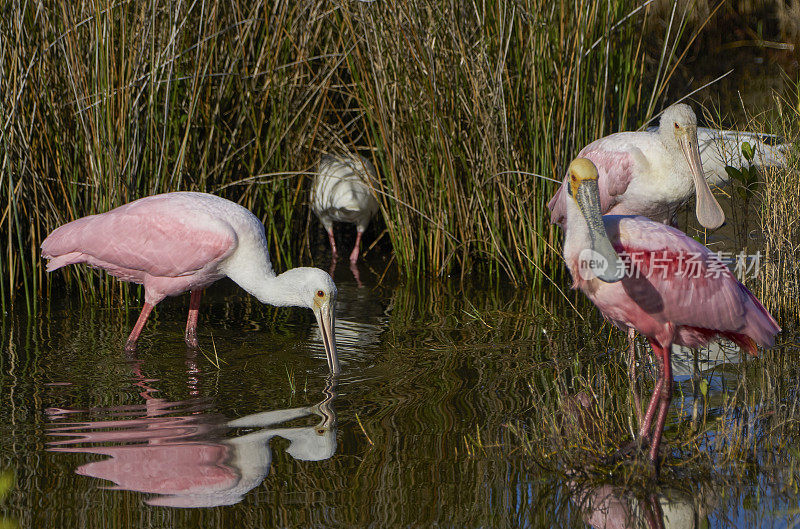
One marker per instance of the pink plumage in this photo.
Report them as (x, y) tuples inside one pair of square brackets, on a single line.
[(178, 242), (673, 290), (169, 243), (649, 173), (676, 291), (616, 166)]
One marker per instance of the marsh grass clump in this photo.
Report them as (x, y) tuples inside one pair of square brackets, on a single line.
[(778, 213), (465, 105), (749, 427), (457, 104)]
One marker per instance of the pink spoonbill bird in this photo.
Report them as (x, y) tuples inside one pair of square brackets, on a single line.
[(671, 288), (175, 242), (649, 173), (341, 193)]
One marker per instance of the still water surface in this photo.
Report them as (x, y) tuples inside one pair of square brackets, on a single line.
[(417, 432)]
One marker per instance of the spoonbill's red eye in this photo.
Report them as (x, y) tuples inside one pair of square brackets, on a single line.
[(677, 126), (320, 294)]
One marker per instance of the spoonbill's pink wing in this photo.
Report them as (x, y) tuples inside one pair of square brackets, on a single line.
[(615, 169), (683, 282), (179, 468), (158, 236)]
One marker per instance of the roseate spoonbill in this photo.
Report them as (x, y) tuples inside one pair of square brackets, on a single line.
[(175, 242), (341, 193), (649, 173), (672, 290)]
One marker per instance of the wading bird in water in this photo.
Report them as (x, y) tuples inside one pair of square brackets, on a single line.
[(672, 289), (341, 193), (175, 242), (650, 173)]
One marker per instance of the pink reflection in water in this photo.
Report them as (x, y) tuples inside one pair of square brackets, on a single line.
[(182, 453)]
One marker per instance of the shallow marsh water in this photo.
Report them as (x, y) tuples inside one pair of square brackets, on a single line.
[(425, 428)]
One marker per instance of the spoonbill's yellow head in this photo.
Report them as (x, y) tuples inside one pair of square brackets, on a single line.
[(600, 260), (581, 170)]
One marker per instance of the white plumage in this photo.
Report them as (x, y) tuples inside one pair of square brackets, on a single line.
[(719, 148), (342, 192)]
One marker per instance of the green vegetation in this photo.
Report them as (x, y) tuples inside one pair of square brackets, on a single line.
[(458, 104), (461, 106)]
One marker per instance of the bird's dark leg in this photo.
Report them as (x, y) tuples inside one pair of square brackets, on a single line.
[(130, 345), (695, 387), (191, 322), (637, 403), (666, 397), (333, 243), (357, 247)]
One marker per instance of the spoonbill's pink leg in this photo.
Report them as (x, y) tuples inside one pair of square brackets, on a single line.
[(333, 244), (644, 430), (354, 254), (356, 274), (665, 397), (632, 373), (191, 323), (647, 422), (130, 345)]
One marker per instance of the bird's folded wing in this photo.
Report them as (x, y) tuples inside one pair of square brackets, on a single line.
[(160, 243), (615, 169), (680, 278)]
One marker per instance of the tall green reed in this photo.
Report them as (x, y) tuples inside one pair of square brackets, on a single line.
[(464, 104), (458, 103)]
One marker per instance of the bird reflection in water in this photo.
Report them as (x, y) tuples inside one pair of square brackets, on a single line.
[(353, 269), (611, 506), (180, 452)]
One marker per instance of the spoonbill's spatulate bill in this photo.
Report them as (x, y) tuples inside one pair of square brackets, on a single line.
[(183, 241), (674, 289), (341, 193), (649, 173)]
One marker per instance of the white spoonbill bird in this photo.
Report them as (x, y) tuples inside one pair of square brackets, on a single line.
[(341, 193), (719, 148), (649, 173), (175, 242), (673, 290)]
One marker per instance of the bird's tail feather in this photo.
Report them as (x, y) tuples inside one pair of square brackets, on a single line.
[(762, 327), (54, 263)]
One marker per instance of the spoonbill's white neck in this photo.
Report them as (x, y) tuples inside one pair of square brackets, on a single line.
[(284, 290), (289, 289)]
